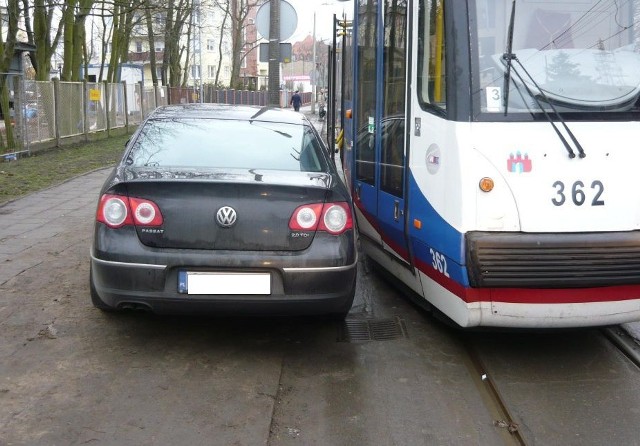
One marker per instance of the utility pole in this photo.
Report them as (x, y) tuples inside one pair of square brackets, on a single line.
[(274, 53)]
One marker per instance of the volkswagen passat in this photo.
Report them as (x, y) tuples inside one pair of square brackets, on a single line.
[(224, 209)]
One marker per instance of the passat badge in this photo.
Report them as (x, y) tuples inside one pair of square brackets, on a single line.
[(226, 216)]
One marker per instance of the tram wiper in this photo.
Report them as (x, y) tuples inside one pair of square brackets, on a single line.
[(509, 57), (566, 144)]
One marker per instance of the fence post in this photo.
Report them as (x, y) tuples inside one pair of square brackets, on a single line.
[(22, 89), (85, 110), (142, 100), (56, 107), (20, 113), (126, 105), (107, 103), (155, 96)]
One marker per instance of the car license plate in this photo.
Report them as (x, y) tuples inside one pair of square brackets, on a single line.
[(224, 283)]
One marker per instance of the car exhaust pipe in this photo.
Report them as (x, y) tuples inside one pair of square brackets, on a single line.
[(134, 306)]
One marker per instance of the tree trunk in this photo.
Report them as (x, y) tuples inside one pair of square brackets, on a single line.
[(152, 44), (6, 55)]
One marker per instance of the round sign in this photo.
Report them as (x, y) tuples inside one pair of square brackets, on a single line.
[(288, 20)]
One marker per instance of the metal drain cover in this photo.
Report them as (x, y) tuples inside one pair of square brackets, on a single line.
[(362, 330)]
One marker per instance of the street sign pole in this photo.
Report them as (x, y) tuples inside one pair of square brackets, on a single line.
[(274, 53)]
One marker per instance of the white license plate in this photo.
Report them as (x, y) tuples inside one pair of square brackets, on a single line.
[(228, 283)]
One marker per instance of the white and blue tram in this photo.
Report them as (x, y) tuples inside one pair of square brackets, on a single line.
[(492, 149)]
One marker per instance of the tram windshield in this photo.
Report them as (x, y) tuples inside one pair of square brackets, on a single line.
[(583, 56)]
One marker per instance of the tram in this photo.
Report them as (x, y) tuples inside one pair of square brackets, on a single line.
[(492, 150)]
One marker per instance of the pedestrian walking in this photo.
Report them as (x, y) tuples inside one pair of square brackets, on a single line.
[(296, 101)]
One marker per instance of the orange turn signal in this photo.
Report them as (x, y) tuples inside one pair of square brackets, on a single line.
[(417, 223), (486, 184), (348, 114)]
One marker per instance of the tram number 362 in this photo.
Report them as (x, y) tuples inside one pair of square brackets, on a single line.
[(439, 262), (578, 194)]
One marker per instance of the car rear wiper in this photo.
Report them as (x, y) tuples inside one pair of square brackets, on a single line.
[(509, 56), (279, 132), (258, 113)]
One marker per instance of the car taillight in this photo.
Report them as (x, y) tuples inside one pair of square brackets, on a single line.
[(334, 218), (113, 211), (145, 212), (306, 217), (118, 210)]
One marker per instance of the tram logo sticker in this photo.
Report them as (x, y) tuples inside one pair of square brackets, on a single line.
[(433, 158), (518, 163)]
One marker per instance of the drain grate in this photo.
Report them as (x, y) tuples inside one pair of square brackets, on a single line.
[(362, 330)]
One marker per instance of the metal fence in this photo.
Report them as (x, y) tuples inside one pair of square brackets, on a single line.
[(50, 113), (186, 95)]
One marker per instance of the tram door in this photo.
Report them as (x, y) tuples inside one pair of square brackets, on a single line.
[(380, 142)]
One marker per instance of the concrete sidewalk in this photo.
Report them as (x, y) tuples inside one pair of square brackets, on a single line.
[(28, 224)]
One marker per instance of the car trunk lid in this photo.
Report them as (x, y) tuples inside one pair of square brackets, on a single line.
[(226, 210)]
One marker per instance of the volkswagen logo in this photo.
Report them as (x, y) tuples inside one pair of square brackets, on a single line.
[(226, 216)]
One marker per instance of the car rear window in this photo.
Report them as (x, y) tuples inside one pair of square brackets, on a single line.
[(215, 143)]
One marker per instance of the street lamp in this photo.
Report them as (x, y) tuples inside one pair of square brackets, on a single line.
[(314, 79)]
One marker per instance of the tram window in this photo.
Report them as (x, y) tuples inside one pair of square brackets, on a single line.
[(366, 85), (574, 51), (365, 157), (431, 55), (392, 166)]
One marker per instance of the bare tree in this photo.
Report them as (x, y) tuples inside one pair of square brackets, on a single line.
[(74, 17), (178, 16), (222, 9), (125, 17), (7, 46), (42, 34), (148, 14), (222, 33), (239, 14)]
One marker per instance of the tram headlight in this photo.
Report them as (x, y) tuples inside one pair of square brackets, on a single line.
[(486, 184)]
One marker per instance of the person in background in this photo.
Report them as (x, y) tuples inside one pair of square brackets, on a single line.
[(321, 103), (296, 101)]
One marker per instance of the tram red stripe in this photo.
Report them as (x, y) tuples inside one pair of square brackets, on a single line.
[(399, 249)]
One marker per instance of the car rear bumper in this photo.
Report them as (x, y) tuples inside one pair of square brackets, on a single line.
[(294, 289)]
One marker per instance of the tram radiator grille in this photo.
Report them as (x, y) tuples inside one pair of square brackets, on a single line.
[(524, 260)]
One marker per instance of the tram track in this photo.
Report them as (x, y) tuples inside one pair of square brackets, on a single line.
[(491, 396), (498, 404), (628, 346)]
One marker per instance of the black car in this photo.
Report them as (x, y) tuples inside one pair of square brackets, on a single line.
[(217, 208)]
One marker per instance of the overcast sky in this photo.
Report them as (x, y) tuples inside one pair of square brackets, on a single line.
[(324, 14)]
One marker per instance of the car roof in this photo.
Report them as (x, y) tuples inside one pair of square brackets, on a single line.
[(224, 111)]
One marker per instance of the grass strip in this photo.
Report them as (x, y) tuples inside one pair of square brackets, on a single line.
[(48, 168)]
